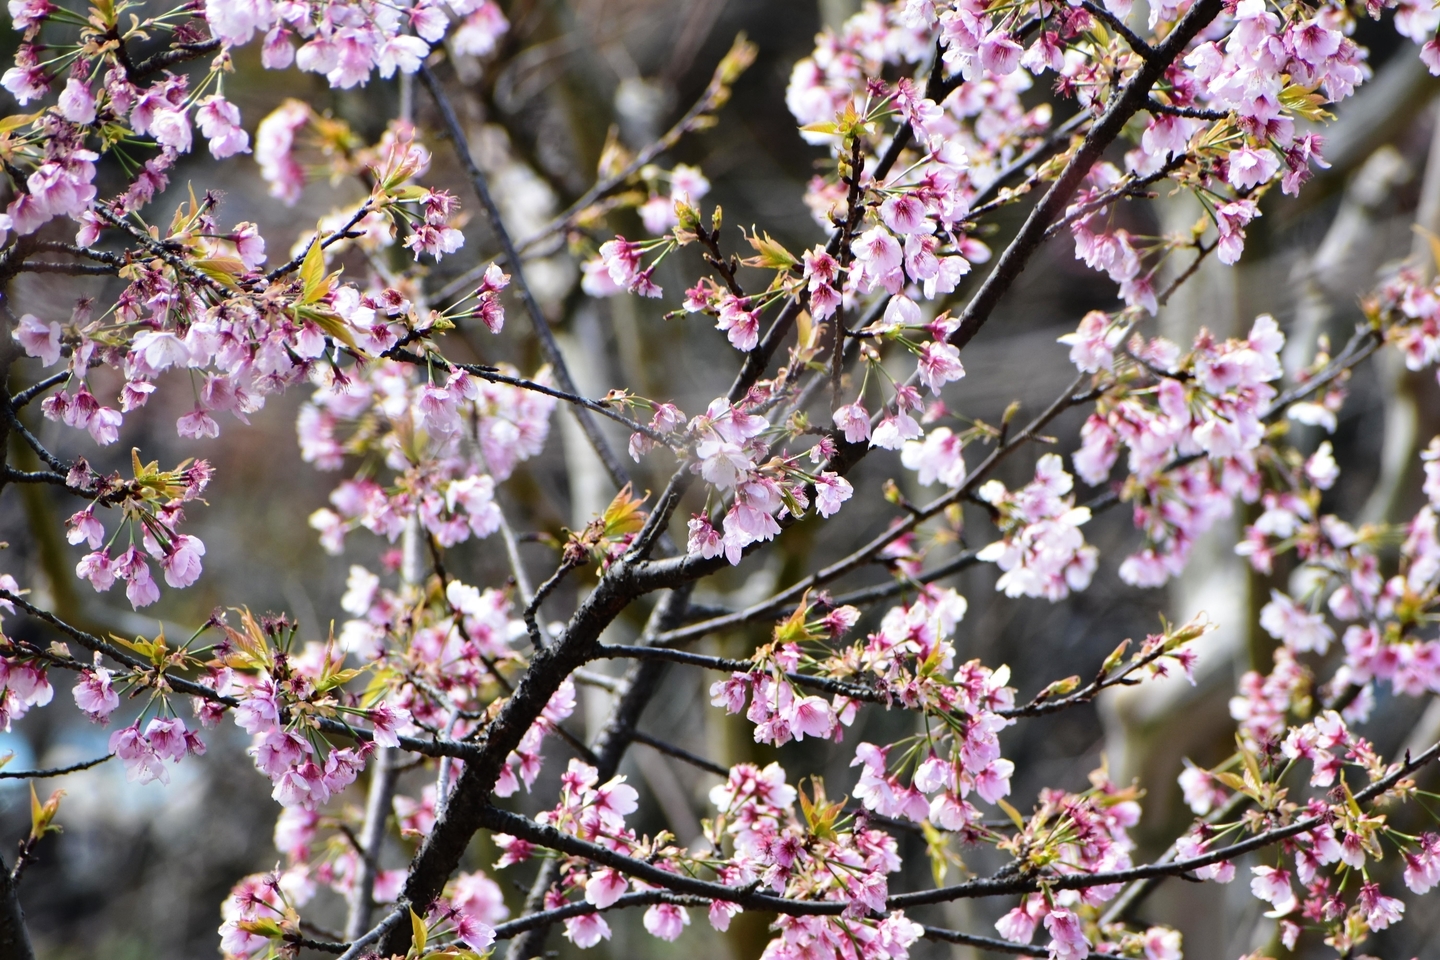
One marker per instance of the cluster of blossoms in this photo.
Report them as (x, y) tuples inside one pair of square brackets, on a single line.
[(1193, 425), (1080, 833), (1341, 842), (151, 505), (447, 447), (1044, 554), (25, 684), (756, 839), (264, 908), (728, 446)]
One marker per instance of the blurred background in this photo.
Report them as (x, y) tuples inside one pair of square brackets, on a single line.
[(140, 870)]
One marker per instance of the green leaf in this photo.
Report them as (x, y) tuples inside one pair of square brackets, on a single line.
[(333, 326), (773, 256), (42, 815), (224, 270), (261, 927), (1012, 813), (16, 120), (312, 272), (417, 927), (1113, 661), (1060, 688)]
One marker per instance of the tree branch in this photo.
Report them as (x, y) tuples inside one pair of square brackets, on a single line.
[(34, 390), (14, 937), (502, 821), (618, 474), (1124, 106), (679, 753), (68, 269), (986, 943), (1119, 26), (54, 771), (383, 777)]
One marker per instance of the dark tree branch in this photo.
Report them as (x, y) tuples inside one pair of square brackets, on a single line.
[(1119, 26), (1007, 882), (68, 269), (1124, 106), (618, 474), (100, 256), (532, 609), (169, 58), (11, 475), (1193, 113), (635, 690), (34, 390), (986, 943), (346, 232), (679, 753), (604, 409), (54, 771), (14, 937)]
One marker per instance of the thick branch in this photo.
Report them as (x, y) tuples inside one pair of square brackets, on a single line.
[(14, 937), (1129, 102), (634, 691), (502, 821)]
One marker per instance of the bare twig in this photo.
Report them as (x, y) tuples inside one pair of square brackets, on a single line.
[(618, 474), (34, 390), (986, 943), (346, 232), (532, 609), (679, 753), (1119, 26), (383, 777), (54, 771), (68, 269)]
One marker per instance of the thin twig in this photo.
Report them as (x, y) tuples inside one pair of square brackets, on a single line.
[(34, 390), (344, 233), (618, 474), (854, 691), (532, 625), (986, 943), (680, 753), (68, 269), (168, 58), (54, 771), (1119, 26)]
